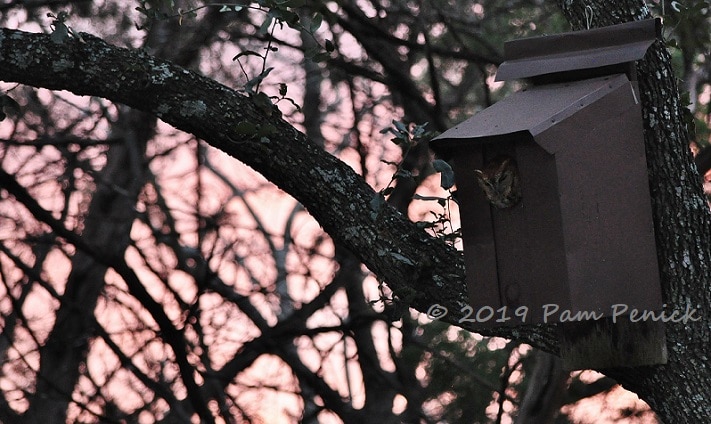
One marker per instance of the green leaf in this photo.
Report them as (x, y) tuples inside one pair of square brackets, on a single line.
[(285, 15), (400, 126), (329, 46), (233, 8), (419, 130), (447, 174), (264, 28), (316, 21), (60, 33), (254, 82)]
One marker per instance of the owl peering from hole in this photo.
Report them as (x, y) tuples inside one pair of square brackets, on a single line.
[(500, 181)]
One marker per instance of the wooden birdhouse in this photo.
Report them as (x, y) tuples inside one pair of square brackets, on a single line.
[(553, 190)]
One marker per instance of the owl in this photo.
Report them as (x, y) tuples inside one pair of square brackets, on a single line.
[(500, 181)]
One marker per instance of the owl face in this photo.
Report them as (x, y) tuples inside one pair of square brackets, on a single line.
[(500, 182)]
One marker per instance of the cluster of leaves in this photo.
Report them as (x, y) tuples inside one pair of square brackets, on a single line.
[(156, 10), (407, 137), (60, 30), (277, 13)]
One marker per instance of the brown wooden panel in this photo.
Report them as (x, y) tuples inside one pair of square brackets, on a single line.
[(545, 269), (606, 207), (477, 230)]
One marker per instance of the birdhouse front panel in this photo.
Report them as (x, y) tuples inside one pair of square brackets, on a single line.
[(514, 255)]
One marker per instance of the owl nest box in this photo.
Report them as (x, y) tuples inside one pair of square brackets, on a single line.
[(570, 226)]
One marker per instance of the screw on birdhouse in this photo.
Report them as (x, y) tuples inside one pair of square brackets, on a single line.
[(588, 16)]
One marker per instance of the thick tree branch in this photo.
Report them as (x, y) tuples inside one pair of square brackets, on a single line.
[(419, 268)]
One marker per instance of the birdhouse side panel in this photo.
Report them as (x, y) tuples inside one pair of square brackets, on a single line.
[(606, 208)]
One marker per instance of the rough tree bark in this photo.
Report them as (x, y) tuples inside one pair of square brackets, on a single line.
[(420, 269), (679, 391)]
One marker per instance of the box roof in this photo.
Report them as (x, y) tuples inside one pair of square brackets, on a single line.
[(544, 106), (578, 50)]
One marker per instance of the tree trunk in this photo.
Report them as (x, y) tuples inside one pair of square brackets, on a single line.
[(108, 223), (680, 390), (544, 394)]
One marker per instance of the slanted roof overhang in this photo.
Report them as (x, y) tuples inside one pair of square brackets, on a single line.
[(532, 111), (578, 50)]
